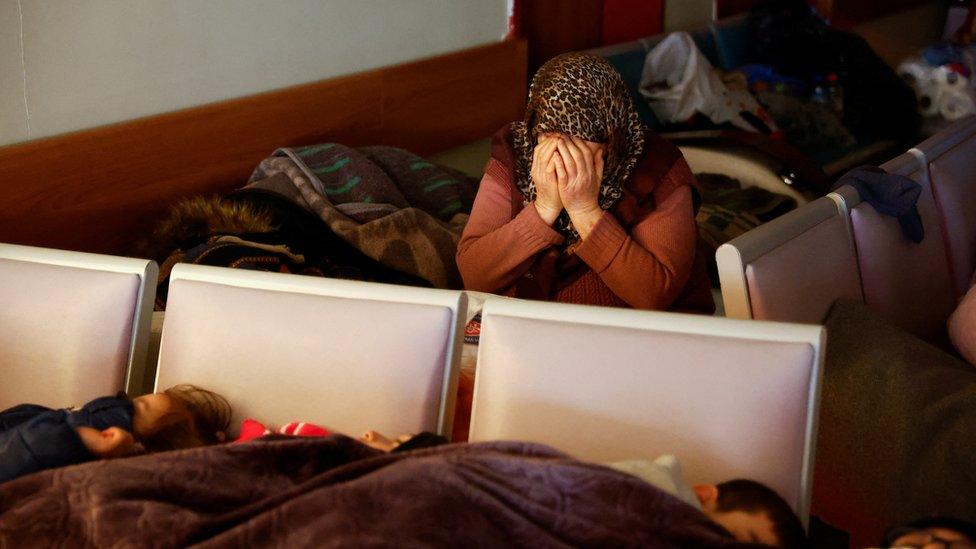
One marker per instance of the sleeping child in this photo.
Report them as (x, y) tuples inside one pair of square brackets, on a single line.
[(33, 438), (749, 511)]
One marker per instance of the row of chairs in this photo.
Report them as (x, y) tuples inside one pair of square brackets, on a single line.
[(838, 247), (731, 398)]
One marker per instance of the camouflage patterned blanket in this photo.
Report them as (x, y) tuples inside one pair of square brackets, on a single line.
[(388, 203)]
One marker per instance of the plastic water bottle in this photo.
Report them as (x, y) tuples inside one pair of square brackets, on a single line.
[(835, 94), (819, 93)]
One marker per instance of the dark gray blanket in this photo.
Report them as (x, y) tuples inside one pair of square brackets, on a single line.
[(897, 438), (300, 492)]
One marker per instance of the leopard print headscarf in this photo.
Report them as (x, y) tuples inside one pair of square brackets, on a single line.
[(580, 94)]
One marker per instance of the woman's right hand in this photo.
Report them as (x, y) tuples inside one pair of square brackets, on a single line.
[(547, 201)]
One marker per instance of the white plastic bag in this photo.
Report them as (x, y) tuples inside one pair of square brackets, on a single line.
[(940, 90), (678, 81)]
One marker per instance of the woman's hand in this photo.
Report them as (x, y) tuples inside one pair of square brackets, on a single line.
[(579, 172), (547, 201)]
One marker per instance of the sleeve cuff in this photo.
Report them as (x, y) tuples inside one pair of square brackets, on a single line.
[(533, 230), (602, 245)]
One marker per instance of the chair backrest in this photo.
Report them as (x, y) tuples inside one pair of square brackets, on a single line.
[(951, 159), (791, 269), (907, 283), (73, 326), (348, 355), (730, 398)]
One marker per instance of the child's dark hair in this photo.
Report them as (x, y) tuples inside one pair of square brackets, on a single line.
[(201, 419), (752, 497), (964, 527)]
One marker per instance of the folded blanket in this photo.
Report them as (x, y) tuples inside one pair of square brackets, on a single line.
[(755, 202), (301, 492), (897, 419), (728, 210), (393, 206)]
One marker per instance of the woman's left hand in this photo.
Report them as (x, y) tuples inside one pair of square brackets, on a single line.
[(580, 173)]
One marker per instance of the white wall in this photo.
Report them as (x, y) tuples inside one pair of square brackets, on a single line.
[(13, 119), (93, 62)]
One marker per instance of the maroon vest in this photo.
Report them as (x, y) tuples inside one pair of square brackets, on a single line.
[(552, 269)]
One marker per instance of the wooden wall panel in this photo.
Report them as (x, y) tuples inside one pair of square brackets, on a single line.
[(553, 27), (471, 94), (99, 190)]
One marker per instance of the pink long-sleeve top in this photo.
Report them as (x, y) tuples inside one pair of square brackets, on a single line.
[(651, 266)]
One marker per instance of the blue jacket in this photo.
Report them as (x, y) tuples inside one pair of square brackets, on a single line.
[(34, 438)]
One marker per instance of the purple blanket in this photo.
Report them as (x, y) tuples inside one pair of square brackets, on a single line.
[(299, 492)]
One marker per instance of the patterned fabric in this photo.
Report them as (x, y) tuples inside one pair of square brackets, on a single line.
[(350, 176), (718, 224), (389, 204), (581, 95), (727, 192), (472, 330), (267, 252), (728, 211)]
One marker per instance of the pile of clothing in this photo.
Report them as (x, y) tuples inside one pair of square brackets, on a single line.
[(809, 83), (377, 214), (942, 78)]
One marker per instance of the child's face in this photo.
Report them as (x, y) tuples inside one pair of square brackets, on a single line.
[(936, 537), (154, 412), (752, 527), (747, 527)]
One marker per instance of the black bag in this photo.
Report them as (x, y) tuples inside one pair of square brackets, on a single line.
[(795, 42)]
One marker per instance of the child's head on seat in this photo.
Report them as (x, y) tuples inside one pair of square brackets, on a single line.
[(184, 416), (751, 512)]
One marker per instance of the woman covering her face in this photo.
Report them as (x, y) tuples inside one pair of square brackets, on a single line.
[(581, 203)]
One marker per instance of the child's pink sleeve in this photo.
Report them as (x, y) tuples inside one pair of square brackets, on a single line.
[(251, 429), (302, 429)]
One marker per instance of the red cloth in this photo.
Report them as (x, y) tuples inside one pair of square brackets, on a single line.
[(252, 429), (626, 20), (652, 266)]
